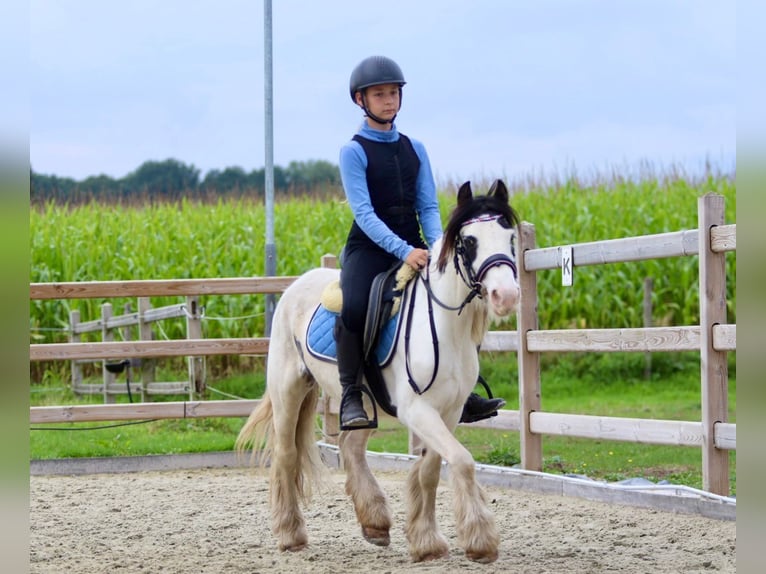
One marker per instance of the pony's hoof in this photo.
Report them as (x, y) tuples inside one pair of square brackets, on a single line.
[(482, 558), (435, 554), (294, 544), (293, 547), (376, 536), (431, 556)]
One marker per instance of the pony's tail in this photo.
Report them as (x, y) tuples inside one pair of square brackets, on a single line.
[(311, 468), (258, 434)]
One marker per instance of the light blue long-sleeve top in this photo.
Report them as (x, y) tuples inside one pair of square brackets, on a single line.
[(353, 173)]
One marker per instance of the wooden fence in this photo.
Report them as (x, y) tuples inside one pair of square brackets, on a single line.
[(713, 338), (146, 385)]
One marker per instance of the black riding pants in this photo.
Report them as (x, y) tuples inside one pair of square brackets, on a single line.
[(360, 265)]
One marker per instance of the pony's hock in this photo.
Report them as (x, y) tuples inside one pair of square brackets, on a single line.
[(433, 369)]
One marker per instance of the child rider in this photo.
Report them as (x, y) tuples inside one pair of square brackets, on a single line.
[(388, 182)]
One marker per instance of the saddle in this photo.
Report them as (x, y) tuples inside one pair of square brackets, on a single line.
[(384, 303)]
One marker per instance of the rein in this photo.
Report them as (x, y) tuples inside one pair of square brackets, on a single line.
[(434, 339), (472, 281)]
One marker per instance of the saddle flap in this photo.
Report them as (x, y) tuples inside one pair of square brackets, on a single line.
[(379, 305)]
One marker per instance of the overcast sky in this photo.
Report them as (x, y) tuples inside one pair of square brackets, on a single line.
[(495, 88)]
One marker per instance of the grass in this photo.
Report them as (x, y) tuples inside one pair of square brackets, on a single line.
[(135, 438), (171, 436), (611, 386)]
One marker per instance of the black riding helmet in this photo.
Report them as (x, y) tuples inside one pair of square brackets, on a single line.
[(374, 71)]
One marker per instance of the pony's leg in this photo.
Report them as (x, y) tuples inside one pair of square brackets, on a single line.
[(370, 503), (287, 394), (476, 530), (425, 540)]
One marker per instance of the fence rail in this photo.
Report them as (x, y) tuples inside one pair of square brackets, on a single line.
[(712, 338), (129, 319), (148, 349), (159, 287)]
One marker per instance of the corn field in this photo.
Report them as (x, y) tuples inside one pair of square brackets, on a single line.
[(189, 239)]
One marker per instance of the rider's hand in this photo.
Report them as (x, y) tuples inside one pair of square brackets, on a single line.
[(417, 259)]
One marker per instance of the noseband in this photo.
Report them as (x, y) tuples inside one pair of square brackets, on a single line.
[(473, 280)]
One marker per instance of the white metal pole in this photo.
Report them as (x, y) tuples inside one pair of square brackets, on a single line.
[(271, 250)]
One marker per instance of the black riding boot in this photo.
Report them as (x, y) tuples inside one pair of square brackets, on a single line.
[(477, 408), (350, 363)]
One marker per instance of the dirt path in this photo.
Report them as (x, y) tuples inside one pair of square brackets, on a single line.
[(217, 521)]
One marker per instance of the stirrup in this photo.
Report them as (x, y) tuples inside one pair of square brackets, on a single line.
[(370, 424)]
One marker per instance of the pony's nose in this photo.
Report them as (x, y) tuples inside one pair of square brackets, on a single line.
[(504, 299)]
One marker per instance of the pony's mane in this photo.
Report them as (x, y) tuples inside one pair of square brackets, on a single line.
[(476, 206)]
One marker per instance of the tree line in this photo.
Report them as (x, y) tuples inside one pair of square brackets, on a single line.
[(170, 180)]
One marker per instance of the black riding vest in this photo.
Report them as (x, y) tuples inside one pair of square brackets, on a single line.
[(392, 172)]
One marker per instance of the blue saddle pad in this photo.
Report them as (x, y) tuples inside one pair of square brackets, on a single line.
[(321, 341)]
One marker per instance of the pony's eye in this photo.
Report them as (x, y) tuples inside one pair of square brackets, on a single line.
[(470, 244)]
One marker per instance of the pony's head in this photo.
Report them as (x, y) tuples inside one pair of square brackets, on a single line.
[(480, 237)]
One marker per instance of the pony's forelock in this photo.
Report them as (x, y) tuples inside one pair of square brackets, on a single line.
[(478, 205)]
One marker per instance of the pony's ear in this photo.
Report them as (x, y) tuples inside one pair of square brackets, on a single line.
[(464, 194), (499, 190)]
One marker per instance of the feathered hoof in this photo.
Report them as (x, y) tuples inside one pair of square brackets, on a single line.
[(376, 536), (433, 554), (293, 547), (482, 557)]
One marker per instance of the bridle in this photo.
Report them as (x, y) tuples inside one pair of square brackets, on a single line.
[(472, 279), (464, 268)]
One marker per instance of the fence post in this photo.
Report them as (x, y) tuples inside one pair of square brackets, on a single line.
[(106, 335), (148, 366), (128, 309), (194, 331), (648, 288), (330, 422), (74, 320), (714, 366), (529, 363), (329, 261)]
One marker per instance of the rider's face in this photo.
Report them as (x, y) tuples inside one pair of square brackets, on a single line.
[(382, 101)]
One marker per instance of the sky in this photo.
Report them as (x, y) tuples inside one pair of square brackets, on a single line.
[(495, 88)]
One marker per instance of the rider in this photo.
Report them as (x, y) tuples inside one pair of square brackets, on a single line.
[(388, 182)]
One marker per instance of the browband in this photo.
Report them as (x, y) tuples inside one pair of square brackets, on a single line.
[(482, 218)]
